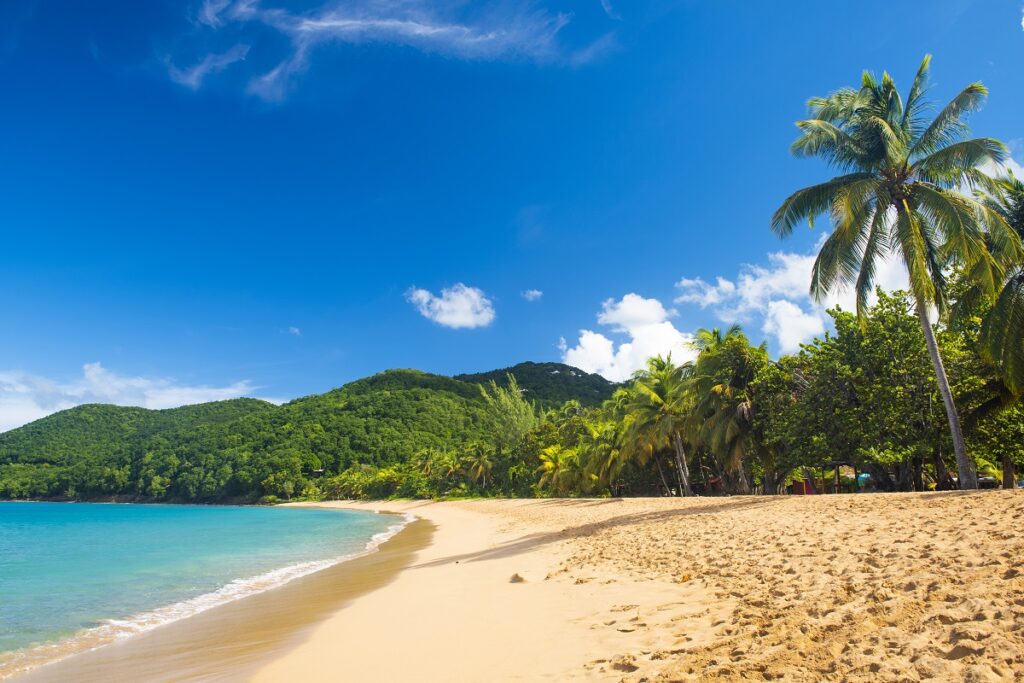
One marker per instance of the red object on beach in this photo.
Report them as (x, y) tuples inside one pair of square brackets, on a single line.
[(803, 488)]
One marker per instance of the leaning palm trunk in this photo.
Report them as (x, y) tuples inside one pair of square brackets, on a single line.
[(661, 473), (900, 193), (967, 475), (684, 472)]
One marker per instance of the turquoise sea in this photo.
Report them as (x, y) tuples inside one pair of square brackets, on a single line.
[(103, 572)]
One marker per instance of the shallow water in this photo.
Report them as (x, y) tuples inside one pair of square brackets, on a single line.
[(95, 572)]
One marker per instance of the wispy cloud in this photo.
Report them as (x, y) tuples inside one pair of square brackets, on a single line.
[(294, 331), (532, 294), (493, 30), (193, 76), (210, 12), (25, 397), (606, 5), (777, 297)]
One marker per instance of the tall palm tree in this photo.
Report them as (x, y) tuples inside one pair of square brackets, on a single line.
[(1002, 332), (479, 462), (899, 194), (659, 405), (723, 414)]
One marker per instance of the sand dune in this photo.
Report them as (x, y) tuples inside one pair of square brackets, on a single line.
[(868, 587)]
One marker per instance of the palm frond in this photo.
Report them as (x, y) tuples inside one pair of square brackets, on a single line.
[(1001, 333), (948, 166), (949, 126), (810, 202)]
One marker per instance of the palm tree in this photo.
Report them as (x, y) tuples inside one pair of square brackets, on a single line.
[(449, 464), (479, 462), (899, 193), (559, 467), (597, 448), (723, 414), (659, 405), (1002, 332)]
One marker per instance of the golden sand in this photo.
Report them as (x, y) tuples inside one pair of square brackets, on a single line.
[(889, 587)]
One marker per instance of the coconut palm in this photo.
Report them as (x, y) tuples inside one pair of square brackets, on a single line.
[(479, 462), (598, 449), (559, 468), (723, 413), (659, 407), (899, 193), (1002, 332), (449, 465)]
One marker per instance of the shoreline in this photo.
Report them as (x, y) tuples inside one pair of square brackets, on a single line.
[(210, 645), (855, 588), (491, 598)]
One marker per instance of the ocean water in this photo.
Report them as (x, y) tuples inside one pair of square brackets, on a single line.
[(96, 573)]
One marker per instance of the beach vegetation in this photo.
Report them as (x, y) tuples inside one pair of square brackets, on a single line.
[(899, 195)]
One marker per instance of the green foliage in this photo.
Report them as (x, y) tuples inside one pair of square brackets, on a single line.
[(901, 196), (362, 440)]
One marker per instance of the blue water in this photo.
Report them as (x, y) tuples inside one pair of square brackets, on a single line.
[(123, 568)]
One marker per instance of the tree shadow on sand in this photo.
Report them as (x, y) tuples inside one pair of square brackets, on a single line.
[(531, 541)]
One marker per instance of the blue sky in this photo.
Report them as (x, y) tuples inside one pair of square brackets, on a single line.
[(257, 197)]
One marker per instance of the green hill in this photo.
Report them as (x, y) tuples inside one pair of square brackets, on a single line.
[(550, 384), (244, 448)]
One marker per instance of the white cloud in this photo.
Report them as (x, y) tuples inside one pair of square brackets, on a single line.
[(645, 323), (457, 307), (631, 312), (696, 291), (210, 12), (777, 296), (510, 30), (791, 325), (294, 331), (25, 397), (193, 76), (532, 294)]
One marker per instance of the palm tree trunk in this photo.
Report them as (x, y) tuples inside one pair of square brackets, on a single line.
[(1009, 478), (681, 461), (965, 467), (661, 472)]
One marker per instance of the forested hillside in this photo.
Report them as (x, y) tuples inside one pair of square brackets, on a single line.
[(550, 384), (247, 449)]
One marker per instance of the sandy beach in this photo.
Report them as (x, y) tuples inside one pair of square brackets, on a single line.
[(865, 587), (844, 588)]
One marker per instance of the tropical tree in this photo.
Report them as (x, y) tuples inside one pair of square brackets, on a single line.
[(723, 412), (509, 416), (899, 193), (1002, 332), (479, 462), (559, 468), (659, 406)]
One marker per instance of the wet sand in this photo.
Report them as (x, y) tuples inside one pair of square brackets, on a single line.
[(231, 641)]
